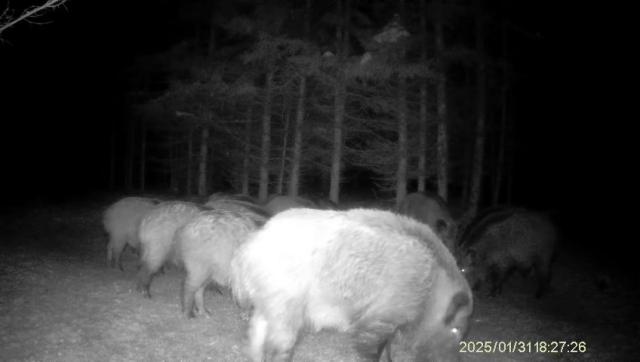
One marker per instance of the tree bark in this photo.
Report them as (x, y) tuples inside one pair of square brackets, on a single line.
[(423, 127), (478, 154), (294, 176), (336, 160), (112, 160), (500, 162), (246, 160), (173, 175), (401, 172), (189, 182), (143, 155), (423, 121), (202, 167), (510, 158), (129, 155), (441, 94), (283, 154), (296, 157), (263, 192), (401, 175), (466, 174), (497, 186), (342, 36)]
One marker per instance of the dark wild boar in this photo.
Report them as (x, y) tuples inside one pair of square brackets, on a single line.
[(504, 240), (432, 210)]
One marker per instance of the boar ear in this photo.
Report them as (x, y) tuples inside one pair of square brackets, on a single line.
[(441, 226), (471, 256)]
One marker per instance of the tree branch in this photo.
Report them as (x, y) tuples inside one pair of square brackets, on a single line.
[(7, 20)]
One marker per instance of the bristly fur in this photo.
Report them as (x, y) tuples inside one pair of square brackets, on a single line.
[(506, 240), (207, 244), (156, 233), (385, 278), (431, 209)]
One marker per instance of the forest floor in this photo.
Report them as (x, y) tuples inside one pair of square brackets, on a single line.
[(60, 302)]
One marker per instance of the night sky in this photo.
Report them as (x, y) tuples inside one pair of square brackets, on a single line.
[(64, 82)]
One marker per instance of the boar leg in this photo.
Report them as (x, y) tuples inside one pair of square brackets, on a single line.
[(201, 309), (145, 274), (371, 338), (257, 336), (498, 276), (544, 278)]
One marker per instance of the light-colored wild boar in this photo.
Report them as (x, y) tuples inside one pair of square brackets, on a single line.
[(504, 240), (121, 222), (206, 244), (385, 278), (280, 203), (432, 210), (156, 234)]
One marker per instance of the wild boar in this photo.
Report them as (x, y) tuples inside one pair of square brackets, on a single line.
[(385, 278)]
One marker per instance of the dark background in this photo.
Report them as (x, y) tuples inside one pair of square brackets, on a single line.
[(63, 85)]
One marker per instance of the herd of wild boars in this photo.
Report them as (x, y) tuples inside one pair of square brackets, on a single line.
[(389, 279), (167, 233)]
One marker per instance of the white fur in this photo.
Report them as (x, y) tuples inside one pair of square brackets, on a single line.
[(322, 268)]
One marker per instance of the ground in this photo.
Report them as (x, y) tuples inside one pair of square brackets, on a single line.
[(60, 302)]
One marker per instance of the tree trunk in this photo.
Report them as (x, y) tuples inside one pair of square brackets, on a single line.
[(509, 177), (294, 176), (500, 162), (497, 186), (510, 159), (401, 175), (211, 46), (336, 160), (423, 121), (202, 167), (129, 155), (441, 94), (189, 182), (265, 151), (342, 37), (246, 159), (423, 127), (112, 159), (143, 155), (173, 177), (296, 157), (468, 168), (478, 154), (401, 172), (283, 154)]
